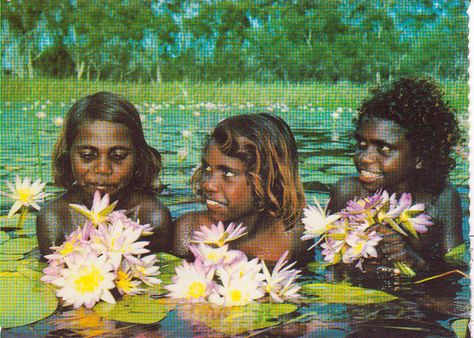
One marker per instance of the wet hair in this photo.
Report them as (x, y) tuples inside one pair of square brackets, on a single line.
[(432, 130), (267, 146), (105, 106)]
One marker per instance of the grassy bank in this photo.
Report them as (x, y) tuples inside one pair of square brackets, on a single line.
[(328, 95)]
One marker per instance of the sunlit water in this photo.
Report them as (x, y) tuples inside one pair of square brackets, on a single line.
[(325, 147)]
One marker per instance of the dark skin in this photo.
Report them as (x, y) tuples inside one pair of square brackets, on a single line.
[(228, 195), (102, 159), (384, 160)]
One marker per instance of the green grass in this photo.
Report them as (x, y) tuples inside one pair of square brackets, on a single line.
[(328, 95)]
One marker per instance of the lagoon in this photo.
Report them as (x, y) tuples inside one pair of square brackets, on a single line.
[(439, 308)]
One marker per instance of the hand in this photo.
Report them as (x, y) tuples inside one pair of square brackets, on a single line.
[(394, 248)]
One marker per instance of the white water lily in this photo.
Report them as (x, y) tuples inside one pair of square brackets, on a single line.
[(146, 270), (193, 282), (217, 257), (99, 211), (125, 283), (86, 280), (236, 291), (316, 221), (216, 235), (25, 194), (280, 283), (117, 241)]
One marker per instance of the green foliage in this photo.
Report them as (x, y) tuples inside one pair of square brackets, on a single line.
[(31, 301), (344, 294), (141, 309), (364, 41)]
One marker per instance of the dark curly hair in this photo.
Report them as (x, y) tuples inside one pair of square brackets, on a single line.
[(105, 106), (265, 143), (432, 130)]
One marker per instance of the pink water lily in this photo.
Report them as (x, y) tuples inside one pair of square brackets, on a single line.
[(99, 211), (216, 235)]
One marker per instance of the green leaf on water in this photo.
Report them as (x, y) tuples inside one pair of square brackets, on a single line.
[(24, 300), (20, 245), (3, 236), (139, 309), (460, 327), (10, 258), (345, 294), (456, 254), (167, 264), (236, 319)]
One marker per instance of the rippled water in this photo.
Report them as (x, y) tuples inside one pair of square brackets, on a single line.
[(325, 147)]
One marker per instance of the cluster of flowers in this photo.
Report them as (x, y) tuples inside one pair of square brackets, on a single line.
[(226, 277), (349, 235), (100, 256)]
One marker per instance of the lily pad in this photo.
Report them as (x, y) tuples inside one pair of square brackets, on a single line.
[(31, 300), (460, 327), (237, 319), (3, 236), (20, 245), (139, 309), (345, 294), (456, 255)]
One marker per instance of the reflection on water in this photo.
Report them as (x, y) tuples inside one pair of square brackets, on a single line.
[(325, 146)]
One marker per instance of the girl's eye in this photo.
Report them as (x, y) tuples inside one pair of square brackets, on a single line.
[(362, 144), (207, 169), (384, 149), (229, 174), (119, 156), (87, 156)]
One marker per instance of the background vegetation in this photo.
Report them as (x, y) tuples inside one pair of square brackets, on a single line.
[(151, 41)]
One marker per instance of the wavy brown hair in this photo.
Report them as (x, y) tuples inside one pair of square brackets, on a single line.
[(105, 106), (417, 105), (267, 146)]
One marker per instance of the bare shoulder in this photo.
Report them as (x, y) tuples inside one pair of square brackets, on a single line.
[(149, 209), (183, 229), (449, 195), (343, 191), (57, 207)]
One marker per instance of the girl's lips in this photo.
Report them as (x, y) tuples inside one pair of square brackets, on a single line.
[(369, 177), (214, 204)]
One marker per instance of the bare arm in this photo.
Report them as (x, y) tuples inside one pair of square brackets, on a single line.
[(449, 216), (158, 215), (183, 229), (49, 227), (343, 191)]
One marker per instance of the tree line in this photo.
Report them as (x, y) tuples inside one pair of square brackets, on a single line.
[(228, 40)]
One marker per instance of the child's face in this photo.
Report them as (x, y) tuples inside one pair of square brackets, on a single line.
[(102, 157), (226, 189), (383, 157)]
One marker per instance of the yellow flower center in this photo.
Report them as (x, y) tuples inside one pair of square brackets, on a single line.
[(90, 279), (67, 249), (212, 256), (24, 194), (123, 281), (196, 289), (235, 296)]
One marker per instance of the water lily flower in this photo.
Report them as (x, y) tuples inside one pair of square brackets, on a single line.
[(186, 134), (86, 280), (316, 221), (196, 113), (280, 283), (76, 241), (58, 121), (216, 235), (182, 154), (114, 216), (236, 291), (193, 282), (99, 211), (125, 283), (361, 246), (116, 241), (146, 270), (244, 267), (333, 250), (41, 114), (217, 257), (159, 120), (25, 194)]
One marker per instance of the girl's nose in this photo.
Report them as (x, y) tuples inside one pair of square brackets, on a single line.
[(103, 166), (368, 155), (211, 183)]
